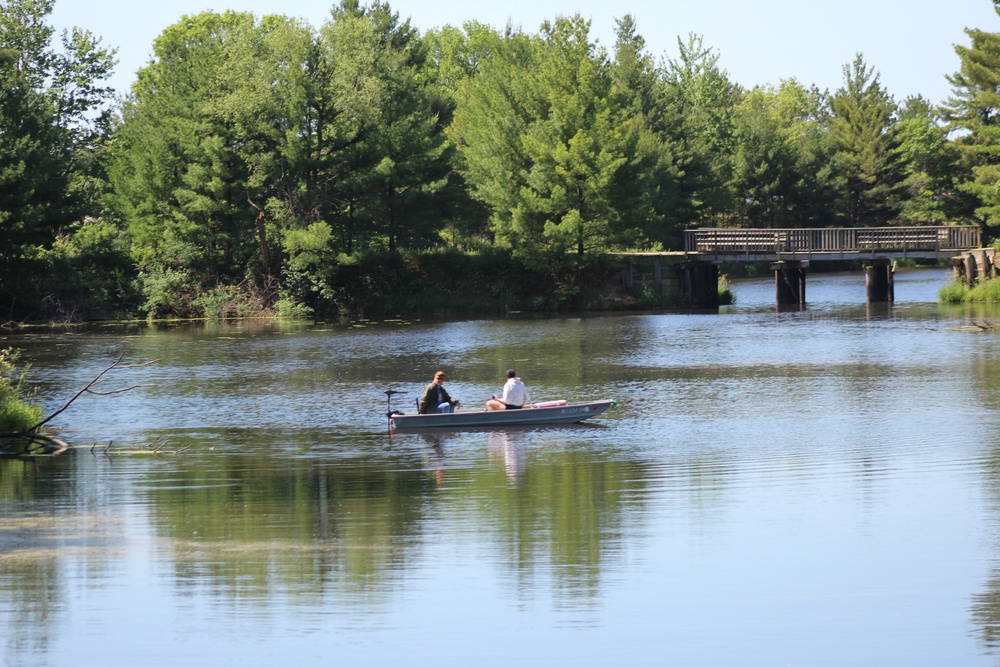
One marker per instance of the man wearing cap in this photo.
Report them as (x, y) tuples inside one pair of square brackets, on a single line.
[(435, 397)]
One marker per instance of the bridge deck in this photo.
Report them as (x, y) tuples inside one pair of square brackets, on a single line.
[(830, 244)]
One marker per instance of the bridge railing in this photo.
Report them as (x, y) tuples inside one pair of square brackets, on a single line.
[(860, 240)]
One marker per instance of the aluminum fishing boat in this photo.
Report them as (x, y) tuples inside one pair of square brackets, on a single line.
[(540, 414)]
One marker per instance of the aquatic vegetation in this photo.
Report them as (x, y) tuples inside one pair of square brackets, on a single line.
[(726, 296), (17, 412), (984, 291)]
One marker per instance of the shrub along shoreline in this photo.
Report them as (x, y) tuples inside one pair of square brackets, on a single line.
[(439, 282)]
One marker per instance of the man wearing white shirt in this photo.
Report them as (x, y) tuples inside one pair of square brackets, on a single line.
[(514, 397)]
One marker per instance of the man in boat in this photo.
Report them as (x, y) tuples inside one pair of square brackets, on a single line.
[(514, 397), (435, 397)]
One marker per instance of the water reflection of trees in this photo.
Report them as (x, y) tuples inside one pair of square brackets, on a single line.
[(551, 516), (346, 532), (985, 606), (48, 517), (985, 611), (985, 373), (32, 591), (292, 526)]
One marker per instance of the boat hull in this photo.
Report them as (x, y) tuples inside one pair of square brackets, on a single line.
[(570, 413)]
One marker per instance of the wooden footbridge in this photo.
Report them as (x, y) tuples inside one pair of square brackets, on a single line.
[(761, 245), (790, 252)]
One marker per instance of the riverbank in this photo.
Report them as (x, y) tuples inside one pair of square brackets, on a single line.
[(439, 282)]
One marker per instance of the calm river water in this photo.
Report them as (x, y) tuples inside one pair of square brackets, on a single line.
[(816, 487)]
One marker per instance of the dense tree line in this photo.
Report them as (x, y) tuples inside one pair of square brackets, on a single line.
[(260, 163)]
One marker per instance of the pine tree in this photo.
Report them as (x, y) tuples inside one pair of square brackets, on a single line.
[(867, 159), (974, 109), (698, 104)]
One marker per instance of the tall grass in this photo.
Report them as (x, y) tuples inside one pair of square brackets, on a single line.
[(984, 291), (17, 412), (726, 296)]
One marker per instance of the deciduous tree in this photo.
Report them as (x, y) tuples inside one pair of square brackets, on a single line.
[(52, 107)]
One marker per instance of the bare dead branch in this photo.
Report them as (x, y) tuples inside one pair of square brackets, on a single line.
[(87, 389), (114, 391), (145, 363), (40, 442)]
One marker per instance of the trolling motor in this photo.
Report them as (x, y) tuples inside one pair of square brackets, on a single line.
[(389, 412), (388, 403)]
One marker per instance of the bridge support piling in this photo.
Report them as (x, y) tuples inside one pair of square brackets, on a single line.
[(879, 281), (700, 281), (985, 258), (973, 265), (790, 282)]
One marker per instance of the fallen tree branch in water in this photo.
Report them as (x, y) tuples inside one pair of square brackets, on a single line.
[(88, 389), (155, 447), (31, 441)]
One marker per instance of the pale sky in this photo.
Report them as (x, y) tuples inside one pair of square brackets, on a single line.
[(910, 43)]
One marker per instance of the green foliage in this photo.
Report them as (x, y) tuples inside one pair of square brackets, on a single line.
[(548, 144), (307, 249), (52, 115), (867, 157), (433, 282), (288, 308), (975, 109), (933, 167), (175, 177), (954, 292), (764, 163), (262, 165), (698, 104), (87, 274), (243, 134), (805, 114), (172, 294), (232, 302), (984, 291), (726, 296), (168, 293), (651, 299), (17, 413)]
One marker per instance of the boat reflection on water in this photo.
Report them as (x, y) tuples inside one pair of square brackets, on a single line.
[(507, 447), (504, 448), (434, 453)]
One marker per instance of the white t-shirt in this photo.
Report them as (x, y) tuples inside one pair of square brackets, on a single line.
[(515, 393)]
